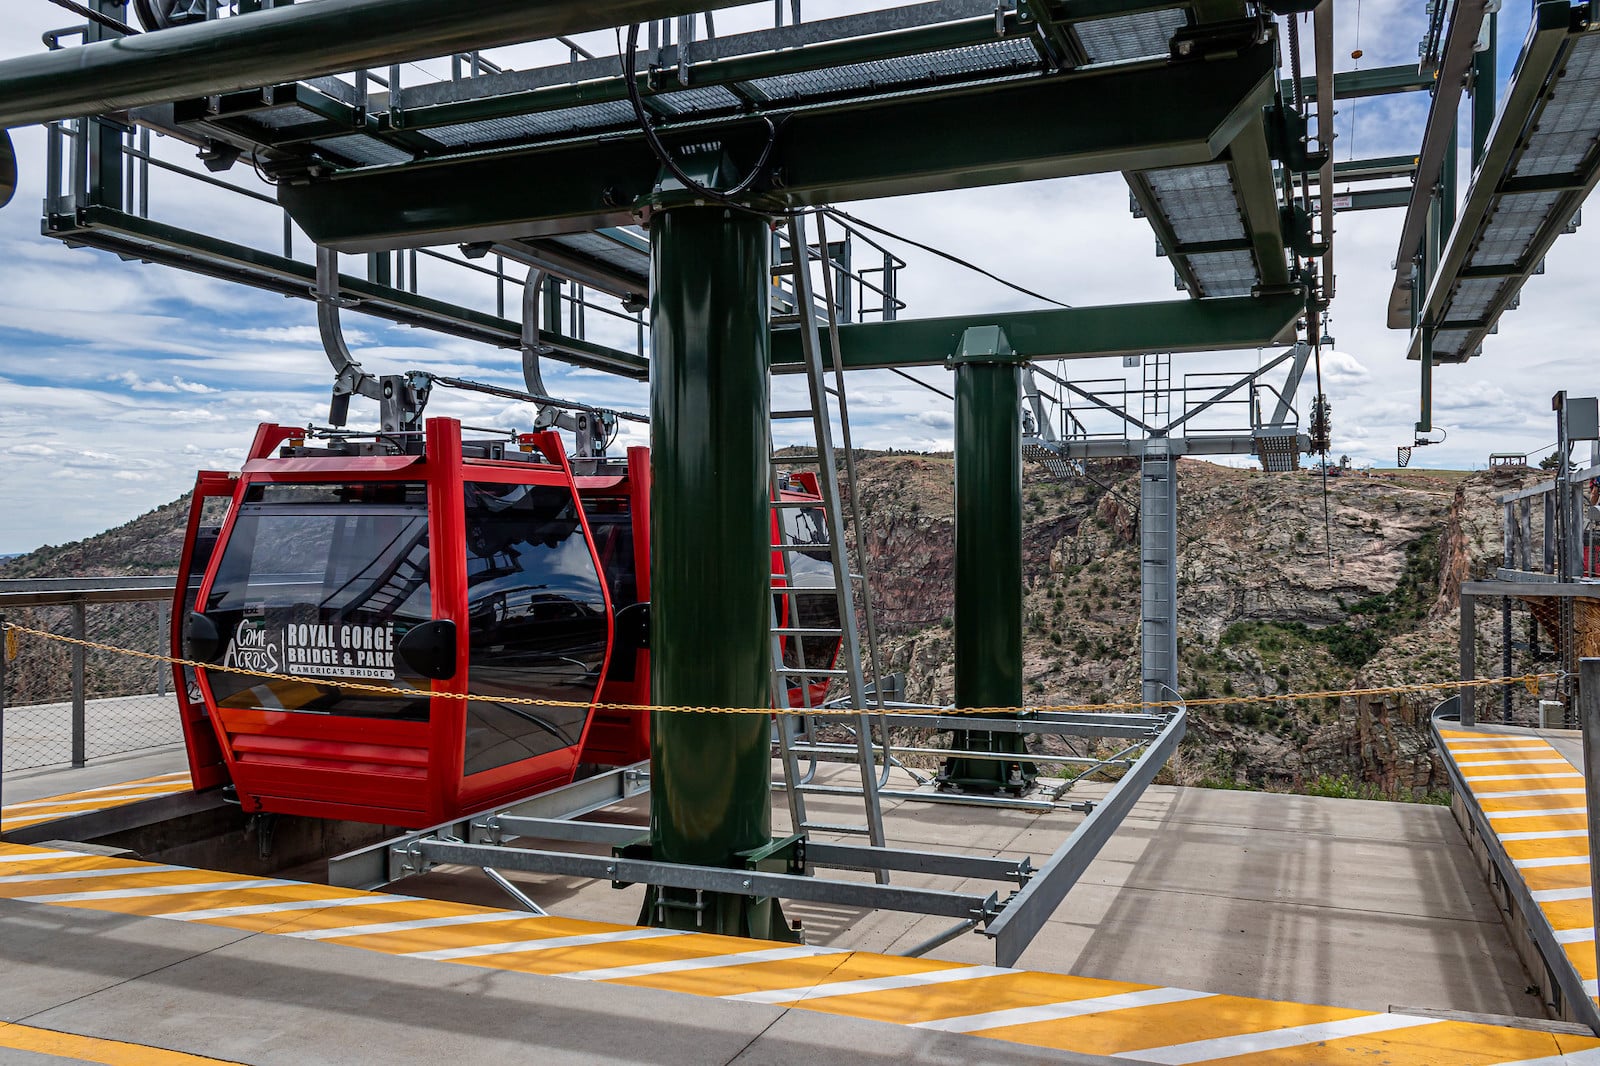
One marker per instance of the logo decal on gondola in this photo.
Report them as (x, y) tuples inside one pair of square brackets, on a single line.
[(340, 650), (251, 649)]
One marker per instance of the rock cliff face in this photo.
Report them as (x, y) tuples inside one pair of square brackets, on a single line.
[(1279, 591)]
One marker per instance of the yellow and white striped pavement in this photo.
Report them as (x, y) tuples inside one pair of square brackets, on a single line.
[(1533, 798), (1137, 1022), (32, 812)]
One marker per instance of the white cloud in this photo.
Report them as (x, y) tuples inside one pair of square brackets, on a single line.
[(178, 369)]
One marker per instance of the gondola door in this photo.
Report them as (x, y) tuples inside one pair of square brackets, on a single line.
[(213, 491), (537, 624)]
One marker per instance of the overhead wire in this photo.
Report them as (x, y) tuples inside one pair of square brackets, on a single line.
[(98, 17)]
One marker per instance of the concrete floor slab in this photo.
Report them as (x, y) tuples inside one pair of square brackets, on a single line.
[(21, 786), (276, 1002)]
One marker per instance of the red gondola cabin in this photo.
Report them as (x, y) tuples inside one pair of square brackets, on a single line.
[(427, 565)]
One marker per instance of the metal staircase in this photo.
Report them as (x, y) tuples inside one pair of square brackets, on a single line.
[(794, 590), (1158, 538)]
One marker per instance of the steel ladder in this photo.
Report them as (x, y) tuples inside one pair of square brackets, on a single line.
[(797, 734)]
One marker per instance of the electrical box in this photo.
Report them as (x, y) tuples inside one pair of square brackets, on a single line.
[(1583, 418)]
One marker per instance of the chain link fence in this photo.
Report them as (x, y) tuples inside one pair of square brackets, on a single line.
[(65, 705)]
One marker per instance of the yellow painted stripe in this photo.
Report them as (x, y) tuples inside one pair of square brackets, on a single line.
[(1493, 804), (1136, 1028), (1551, 878), (93, 1049), (525, 928)]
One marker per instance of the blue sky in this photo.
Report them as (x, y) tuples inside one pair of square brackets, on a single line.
[(124, 379)]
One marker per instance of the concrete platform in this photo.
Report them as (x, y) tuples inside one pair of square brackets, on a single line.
[(1351, 903), (1264, 903), (247, 997)]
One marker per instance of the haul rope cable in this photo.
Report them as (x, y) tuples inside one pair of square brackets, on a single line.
[(1530, 680)]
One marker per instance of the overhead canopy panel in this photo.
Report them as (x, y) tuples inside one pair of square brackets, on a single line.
[(1542, 161)]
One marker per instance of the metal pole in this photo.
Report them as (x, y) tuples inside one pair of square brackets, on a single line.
[(79, 655), (988, 566), (1589, 707), (1505, 658), (1469, 658), (711, 775), (5, 655)]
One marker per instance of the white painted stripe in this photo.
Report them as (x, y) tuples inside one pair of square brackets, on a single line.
[(40, 856), (98, 871), (1044, 1012), (1536, 814), (706, 962), (400, 927), (1275, 1039), (1551, 860), (1555, 761), (94, 801), (1525, 792), (1498, 739), (155, 890), (1591, 1057), (1560, 895), (516, 947), (870, 984), (1592, 987), (1574, 936), (269, 908), (1475, 779), (1548, 834)]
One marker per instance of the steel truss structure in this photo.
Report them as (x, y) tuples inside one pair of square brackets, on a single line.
[(549, 168)]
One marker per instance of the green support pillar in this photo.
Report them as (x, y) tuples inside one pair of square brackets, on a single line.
[(1484, 91), (988, 564), (711, 774)]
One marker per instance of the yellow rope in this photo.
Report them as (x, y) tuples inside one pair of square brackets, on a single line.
[(1530, 680)]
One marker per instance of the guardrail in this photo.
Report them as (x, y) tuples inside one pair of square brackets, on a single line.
[(66, 705)]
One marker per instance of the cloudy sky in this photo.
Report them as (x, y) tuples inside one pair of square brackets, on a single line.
[(123, 379)]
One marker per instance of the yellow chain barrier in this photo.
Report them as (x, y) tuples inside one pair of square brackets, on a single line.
[(1530, 680)]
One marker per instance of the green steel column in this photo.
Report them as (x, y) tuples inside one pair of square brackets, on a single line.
[(1448, 187), (988, 564), (1484, 90), (711, 774)]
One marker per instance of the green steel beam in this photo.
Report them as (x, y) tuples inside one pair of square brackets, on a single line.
[(988, 562), (1377, 169), (1074, 333), (291, 43), (1484, 91), (1031, 129), (1371, 199), (142, 239), (717, 72), (1356, 84), (1257, 188)]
